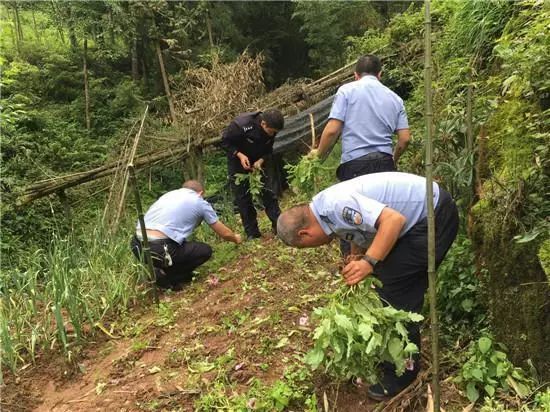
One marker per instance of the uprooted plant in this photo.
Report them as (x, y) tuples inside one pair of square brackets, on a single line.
[(255, 184), (357, 332), (304, 175)]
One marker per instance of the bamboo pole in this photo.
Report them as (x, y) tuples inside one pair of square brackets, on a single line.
[(86, 91), (165, 82), (430, 205), (146, 251), (125, 177)]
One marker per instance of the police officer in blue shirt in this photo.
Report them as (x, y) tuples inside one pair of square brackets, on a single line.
[(248, 141), (169, 222), (384, 216), (367, 114)]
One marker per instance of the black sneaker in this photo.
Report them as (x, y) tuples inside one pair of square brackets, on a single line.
[(253, 237), (391, 385), (378, 393)]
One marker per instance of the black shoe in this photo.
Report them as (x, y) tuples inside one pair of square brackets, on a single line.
[(252, 237), (391, 385), (378, 393)]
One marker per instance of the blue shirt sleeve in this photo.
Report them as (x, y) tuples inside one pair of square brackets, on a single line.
[(208, 213), (339, 106), (402, 121), (357, 212)]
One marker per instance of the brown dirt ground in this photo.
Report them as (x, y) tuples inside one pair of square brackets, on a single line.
[(162, 359)]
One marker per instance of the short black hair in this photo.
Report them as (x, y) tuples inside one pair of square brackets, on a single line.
[(274, 119), (368, 64)]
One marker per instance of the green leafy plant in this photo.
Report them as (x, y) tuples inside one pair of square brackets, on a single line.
[(488, 370), (357, 332), (458, 289), (255, 183), (292, 391), (304, 175)]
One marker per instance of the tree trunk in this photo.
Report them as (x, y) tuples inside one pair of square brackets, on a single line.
[(18, 22), (111, 31), (209, 28), (165, 82), (57, 21), (36, 32), (72, 35), (14, 38), (135, 66), (86, 92)]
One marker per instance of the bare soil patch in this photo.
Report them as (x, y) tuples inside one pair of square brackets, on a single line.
[(245, 327)]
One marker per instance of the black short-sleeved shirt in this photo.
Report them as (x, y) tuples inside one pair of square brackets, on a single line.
[(245, 134)]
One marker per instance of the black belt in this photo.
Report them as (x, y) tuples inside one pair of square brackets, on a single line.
[(166, 239), (373, 156)]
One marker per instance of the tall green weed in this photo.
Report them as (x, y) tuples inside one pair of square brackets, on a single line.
[(63, 292)]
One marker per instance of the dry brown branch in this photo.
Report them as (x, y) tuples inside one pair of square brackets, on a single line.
[(213, 97)]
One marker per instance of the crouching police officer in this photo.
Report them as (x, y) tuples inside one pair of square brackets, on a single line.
[(248, 141), (384, 216), (169, 223)]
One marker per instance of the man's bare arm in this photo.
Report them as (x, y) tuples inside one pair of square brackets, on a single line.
[(389, 225), (225, 233), (403, 139), (330, 133)]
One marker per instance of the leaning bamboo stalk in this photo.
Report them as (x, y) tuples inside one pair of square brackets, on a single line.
[(429, 195), (124, 155), (125, 177), (146, 251)]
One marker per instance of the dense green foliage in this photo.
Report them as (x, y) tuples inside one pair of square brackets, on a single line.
[(491, 110), (357, 332), (488, 370)]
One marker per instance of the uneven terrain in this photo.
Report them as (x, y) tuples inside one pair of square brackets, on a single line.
[(240, 329)]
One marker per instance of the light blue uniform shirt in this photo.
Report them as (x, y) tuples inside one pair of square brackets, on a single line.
[(371, 113), (350, 209), (178, 213)]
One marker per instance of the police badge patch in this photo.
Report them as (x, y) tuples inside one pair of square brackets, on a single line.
[(352, 216)]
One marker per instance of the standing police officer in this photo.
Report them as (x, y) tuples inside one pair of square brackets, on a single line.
[(384, 216), (169, 223), (248, 140), (367, 114)]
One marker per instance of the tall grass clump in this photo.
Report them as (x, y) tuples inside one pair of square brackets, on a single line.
[(63, 293)]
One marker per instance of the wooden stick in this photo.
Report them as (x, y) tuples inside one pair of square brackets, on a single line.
[(312, 124), (430, 206), (125, 178), (146, 251)]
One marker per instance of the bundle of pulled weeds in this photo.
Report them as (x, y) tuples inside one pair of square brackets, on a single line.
[(357, 332)]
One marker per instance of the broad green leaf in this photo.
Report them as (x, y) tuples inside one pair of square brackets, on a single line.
[(484, 344), (472, 392), (314, 358), (365, 331), (395, 347), (478, 374), (411, 348), (401, 329), (416, 317), (343, 321), (490, 390), (502, 368)]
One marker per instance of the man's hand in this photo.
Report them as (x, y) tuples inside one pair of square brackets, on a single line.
[(238, 238), (313, 154), (258, 164), (245, 163), (355, 271)]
